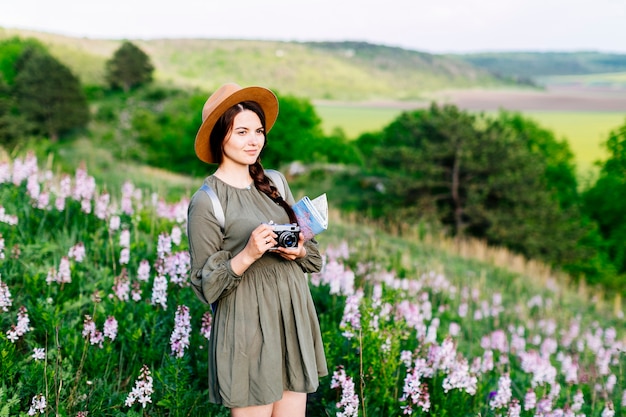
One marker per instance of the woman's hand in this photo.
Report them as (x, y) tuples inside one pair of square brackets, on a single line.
[(261, 240)]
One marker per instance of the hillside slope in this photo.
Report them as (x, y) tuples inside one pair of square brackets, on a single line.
[(332, 71), (541, 64)]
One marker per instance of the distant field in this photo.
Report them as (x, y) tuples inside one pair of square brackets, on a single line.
[(585, 130)]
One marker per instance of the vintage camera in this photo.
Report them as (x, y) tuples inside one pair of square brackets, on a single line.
[(287, 235)]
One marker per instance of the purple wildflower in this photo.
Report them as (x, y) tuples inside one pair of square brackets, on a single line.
[(179, 340), (110, 328), (77, 252), (91, 333), (39, 354), (142, 391), (205, 329), (502, 398), (351, 320), (143, 272), (349, 403), (22, 327), (5, 296), (38, 405)]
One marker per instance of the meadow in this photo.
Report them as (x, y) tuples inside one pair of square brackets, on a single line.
[(97, 317)]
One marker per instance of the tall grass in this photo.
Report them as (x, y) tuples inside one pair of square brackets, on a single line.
[(96, 316)]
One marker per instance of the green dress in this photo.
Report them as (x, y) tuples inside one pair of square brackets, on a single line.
[(265, 337)]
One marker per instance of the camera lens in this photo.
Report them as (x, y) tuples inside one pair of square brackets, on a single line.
[(288, 240)]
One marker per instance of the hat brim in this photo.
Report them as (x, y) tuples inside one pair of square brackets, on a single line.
[(264, 97)]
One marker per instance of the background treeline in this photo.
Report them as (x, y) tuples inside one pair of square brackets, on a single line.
[(502, 178)]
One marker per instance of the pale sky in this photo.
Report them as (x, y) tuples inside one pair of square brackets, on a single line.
[(436, 26)]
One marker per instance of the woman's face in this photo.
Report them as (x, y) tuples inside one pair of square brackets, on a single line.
[(244, 142)]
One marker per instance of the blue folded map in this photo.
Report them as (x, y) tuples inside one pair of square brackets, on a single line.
[(312, 215)]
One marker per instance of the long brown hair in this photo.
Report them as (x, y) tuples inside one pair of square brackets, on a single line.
[(216, 141)]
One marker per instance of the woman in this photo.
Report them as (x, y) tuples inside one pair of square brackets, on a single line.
[(265, 349)]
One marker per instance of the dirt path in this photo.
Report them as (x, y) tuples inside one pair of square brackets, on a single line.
[(561, 98)]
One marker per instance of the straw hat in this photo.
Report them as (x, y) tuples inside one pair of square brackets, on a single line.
[(221, 100)]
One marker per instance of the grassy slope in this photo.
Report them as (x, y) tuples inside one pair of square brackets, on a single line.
[(338, 71)]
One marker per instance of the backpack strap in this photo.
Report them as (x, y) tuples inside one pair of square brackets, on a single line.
[(218, 211), (277, 180)]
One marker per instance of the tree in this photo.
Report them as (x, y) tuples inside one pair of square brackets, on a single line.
[(10, 51), (489, 178), (12, 125), (129, 67), (605, 202), (48, 95)]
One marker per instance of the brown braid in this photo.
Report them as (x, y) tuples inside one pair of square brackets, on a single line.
[(263, 184)]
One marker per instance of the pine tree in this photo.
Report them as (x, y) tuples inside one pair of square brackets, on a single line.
[(49, 95), (129, 67)]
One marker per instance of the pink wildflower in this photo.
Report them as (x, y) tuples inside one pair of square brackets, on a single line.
[(121, 286), (142, 391), (578, 401), (609, 410), (77, 252), (110, 328), (38, 405), (530, 400), (460, 378), (177, 235), (7, 218), (101, 206), (349, 403), (127, 193), (5, 296), (164, 245), (415, 392), (177, 267), (22, 327), (114, 223), (39, 354), (91, 333), (159, 291), (205, 329), (63, 275), (124, 256), (515, 410), (337, 276), (351, 320), (143, 272), (136, 292), (2, 247), (503, 395), (179, 339), (65, 186), (125, 238)]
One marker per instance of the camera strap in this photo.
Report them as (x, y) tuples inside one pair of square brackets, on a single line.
[(218, 211)]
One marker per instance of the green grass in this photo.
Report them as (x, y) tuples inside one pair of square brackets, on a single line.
[(585, 132)]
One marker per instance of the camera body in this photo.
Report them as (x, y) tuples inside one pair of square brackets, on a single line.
[(287, 235)]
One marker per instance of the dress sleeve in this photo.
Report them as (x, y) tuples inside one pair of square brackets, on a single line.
[(211, 274), (313, 261)]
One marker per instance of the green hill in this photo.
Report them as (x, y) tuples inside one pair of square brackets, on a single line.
[(542, 64), (332, 71)]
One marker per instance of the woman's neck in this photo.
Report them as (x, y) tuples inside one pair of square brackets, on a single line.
[(236, 176)]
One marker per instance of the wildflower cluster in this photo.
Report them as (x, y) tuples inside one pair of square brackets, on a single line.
[(143, 389), (349, 403), (179, 341), (22, 327)]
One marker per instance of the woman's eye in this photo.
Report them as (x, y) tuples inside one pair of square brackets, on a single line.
[(260, 131)]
